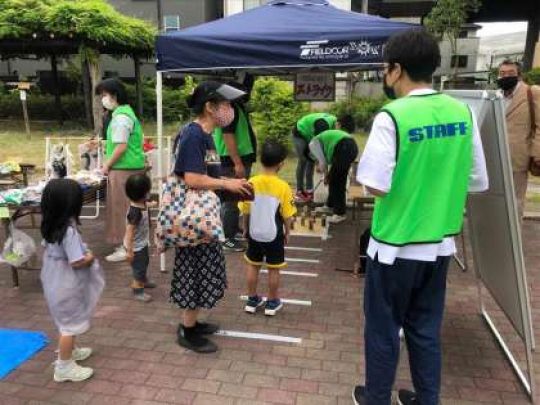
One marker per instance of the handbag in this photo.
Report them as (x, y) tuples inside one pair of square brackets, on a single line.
[(187, 217)]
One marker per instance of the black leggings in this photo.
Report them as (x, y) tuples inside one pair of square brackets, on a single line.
[(345, 153)]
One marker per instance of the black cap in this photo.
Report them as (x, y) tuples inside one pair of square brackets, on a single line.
[(213, 91)]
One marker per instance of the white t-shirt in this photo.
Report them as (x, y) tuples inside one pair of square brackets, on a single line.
[(121, 128), (376, 169)]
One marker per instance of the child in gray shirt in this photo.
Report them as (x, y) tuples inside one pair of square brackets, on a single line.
[(136, 239)]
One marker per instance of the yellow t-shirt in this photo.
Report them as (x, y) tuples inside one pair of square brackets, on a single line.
[(272, 195)]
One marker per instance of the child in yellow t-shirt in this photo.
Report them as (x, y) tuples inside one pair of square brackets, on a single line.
[(267, 223)]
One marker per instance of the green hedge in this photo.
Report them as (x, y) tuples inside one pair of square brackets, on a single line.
[(363, 109), (532, 76), (274, 110)]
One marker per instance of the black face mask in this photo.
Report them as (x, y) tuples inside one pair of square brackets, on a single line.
[(388, 91), (507, 83)]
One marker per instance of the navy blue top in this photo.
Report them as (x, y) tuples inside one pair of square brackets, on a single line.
[(195, 152)]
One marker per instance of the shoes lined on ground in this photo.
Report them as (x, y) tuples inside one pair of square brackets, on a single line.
[(73, 372), (119, 255), (336, 219), (190, 339), (358, 395), (300, 197), (253, 303), (142, 296), (203, 328), (233, 245), (272, 307), (150, 284), (324, 210)]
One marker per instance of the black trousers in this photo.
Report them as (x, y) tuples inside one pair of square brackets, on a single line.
[(345, 153)]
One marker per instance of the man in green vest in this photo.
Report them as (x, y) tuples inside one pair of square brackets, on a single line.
[(423, 155), (236, 146), (335, 151), (304, 131)]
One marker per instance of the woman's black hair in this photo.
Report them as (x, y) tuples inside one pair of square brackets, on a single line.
[(320, 126), (416, 50), (347, 123), (273, 153), (115, 88), (61, 204), (138, 186)]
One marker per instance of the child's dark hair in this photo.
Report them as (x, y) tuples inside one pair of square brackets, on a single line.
[(138, 186), (320, 126), (273, 153), (416, 50), (61, 203), (347, 123)]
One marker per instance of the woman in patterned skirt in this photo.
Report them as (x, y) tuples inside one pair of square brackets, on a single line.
[(199, 278)]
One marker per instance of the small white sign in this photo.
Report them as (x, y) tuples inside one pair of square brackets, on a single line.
[(22, 93), (315, 87)]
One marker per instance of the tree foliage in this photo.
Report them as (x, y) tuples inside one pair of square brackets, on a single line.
[(92, 22), (447, 17)]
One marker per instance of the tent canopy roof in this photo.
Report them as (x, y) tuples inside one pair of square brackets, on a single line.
[(282, 36)]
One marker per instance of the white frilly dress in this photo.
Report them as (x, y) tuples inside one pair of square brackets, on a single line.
[(71, 294)]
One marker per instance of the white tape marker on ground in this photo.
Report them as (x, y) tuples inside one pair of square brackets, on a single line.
[(260, 336), (294, 273), (299, 260), (303, 249), (284, 300)]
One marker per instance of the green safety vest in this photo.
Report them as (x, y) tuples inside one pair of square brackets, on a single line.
[(241, 135), (306, 124), (329, 139), (430, 182), (133, 157)]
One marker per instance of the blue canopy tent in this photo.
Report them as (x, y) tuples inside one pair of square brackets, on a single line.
[(284, 36), (281, 37)]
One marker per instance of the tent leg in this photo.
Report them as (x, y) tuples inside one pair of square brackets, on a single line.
[(159, 119)]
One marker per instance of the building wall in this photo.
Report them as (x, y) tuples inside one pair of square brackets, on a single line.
[(466, 47), (536, 62), (237, 6)]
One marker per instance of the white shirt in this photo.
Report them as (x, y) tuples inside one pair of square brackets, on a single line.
[(376, 169), (121, 128)]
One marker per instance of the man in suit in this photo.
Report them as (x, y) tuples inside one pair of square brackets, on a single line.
[(522, 104)]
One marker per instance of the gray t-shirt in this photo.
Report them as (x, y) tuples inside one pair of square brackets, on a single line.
[(138, 217)]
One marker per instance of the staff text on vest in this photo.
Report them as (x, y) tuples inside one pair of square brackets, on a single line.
[(437, 131)]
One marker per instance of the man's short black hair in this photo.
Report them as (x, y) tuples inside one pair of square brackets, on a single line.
[(319, 126), (417, 51), (273, 153), (511, 62), (138, 186), (115, 88), (347, 123)]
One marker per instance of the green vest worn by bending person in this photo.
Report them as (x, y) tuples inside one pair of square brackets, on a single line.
[(328, 140), (306, 124), (133, 157), (241, 135), (430, 182)]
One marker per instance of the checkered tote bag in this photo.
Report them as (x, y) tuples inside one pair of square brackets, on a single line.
[(188, 217)]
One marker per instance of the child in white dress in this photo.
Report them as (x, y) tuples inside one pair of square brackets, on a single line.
[(71, 277)]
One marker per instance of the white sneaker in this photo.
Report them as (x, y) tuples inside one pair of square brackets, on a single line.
[(119, 255), (81, 353), (323, 210), (74, 373), (336, 219)]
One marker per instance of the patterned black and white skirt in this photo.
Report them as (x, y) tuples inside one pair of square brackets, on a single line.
[(199, 279)]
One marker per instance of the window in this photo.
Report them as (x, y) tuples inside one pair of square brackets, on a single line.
[(171, 23), (254, 3), (460, 61)]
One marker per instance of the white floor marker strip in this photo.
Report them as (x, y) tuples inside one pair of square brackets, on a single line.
[(284, 300), (305, 235), (295, 260), (294, 273), (303, 249), (260, 336)]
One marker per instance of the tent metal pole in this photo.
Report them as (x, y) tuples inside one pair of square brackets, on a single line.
[(159, 122)]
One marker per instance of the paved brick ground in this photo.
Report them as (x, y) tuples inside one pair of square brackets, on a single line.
[(138, 362)]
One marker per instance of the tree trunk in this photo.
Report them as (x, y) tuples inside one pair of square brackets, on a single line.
[(56, 82), (138, 86), (87, 92), (94, 68)]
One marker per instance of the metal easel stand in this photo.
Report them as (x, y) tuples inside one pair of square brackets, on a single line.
[(462, 262)]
